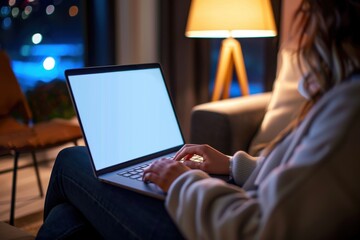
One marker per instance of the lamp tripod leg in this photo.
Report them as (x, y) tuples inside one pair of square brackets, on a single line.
[(230, 56), (240, 69), (228, 78), (222, 71)]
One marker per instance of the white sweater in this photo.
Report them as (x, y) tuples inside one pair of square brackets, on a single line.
[(307, 188)]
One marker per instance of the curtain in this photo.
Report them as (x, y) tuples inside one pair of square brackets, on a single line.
[(185, 61)]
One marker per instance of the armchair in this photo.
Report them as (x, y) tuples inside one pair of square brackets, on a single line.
[(249, 123), (229, 125)]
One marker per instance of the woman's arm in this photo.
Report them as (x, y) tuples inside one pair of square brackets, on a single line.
[(208, 208), (314, 194)]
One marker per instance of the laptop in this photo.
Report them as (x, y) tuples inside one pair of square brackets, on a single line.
[(127, 119)]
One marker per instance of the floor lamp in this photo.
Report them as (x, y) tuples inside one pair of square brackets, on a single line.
[(230, 19)]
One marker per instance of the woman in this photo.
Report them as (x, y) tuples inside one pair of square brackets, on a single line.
[(303, 186)]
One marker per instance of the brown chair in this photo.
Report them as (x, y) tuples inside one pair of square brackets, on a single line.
[(18, 135)]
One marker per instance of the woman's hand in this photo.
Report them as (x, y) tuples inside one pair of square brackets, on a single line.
[(164, 172), (214, 161)]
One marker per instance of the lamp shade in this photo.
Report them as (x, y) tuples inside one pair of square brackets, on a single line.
[(230, 18)]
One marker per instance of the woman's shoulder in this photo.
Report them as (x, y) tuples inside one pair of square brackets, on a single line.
[(344, 98), (331, 124)]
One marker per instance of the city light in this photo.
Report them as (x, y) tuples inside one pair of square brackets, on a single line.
[(6, 24), (50, 9), (49, 63), (5, 11), (15, 12), (36, 38), (39, 37), (73, 11), (12, 2), (24, 15), (28, 10)]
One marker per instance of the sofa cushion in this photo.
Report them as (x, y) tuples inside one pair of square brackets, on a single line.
[(285, 101)]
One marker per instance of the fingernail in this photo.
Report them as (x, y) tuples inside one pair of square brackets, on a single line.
[(145, 178)]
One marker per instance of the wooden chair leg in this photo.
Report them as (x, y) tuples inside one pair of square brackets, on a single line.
[(37, 174), (13, 191)]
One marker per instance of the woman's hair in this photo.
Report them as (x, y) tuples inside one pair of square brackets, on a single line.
[(329, 40), (328, 48)]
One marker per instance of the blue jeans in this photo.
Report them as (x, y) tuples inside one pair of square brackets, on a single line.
[(78, 206)]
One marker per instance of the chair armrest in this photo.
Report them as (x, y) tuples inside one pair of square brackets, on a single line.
[(228, 125)]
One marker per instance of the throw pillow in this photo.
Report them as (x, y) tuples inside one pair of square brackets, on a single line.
[(285, 101)]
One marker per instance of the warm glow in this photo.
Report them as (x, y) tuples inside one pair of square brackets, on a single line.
[(73, 11), (230, 18), (234, 33), (12, 2)]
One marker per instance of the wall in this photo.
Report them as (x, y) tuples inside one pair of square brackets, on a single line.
[(137, 31)]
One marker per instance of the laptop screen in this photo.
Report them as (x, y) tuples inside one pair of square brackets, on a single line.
[(125, 114)]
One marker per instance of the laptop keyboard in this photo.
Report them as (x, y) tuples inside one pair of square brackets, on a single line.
[(136, 173)]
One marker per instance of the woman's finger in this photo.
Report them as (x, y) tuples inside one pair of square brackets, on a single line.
[(156, 165), (163, 172), (152, 177), (189, 150), (193, 165)]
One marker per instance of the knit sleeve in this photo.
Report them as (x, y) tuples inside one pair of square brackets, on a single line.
[(242, 166), (209, 208)]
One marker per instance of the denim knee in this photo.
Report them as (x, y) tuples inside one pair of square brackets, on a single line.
[(68, 157), (66, 222)]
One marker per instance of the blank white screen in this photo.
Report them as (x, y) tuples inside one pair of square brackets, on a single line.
[(125, 115)]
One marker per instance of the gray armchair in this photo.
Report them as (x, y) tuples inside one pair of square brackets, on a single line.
[(229, 125), (249, 123)]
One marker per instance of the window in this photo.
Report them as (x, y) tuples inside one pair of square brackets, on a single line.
[(43, 38)]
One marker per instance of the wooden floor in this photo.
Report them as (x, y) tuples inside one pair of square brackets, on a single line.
[(28, 200)]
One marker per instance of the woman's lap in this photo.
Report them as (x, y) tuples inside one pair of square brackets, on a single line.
[(114, 212)]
